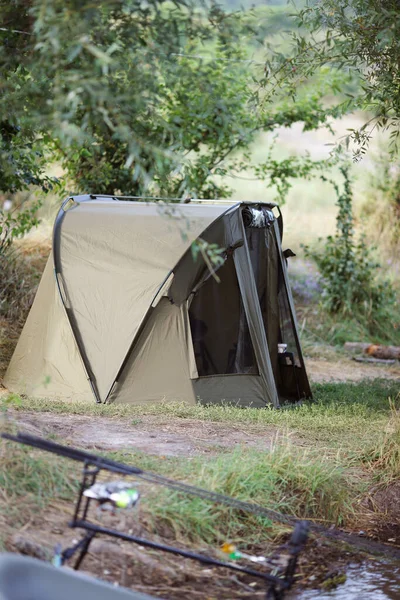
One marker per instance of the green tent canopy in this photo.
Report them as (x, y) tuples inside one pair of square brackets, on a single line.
[(127, 313)]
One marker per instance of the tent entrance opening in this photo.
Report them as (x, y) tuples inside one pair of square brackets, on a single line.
[(220, 333)]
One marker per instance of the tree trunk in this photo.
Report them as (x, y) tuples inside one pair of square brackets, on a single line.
[(383, 352)]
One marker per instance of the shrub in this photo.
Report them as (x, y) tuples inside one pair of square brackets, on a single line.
[(16, 223), (348, 271), (18, 274), (381, 206)]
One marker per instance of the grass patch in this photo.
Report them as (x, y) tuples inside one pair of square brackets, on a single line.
[(298, 482), (383, 457), (341, 415), (320, 328), (287, 480), (30, 480), (349, 439), (9, 334), (20, 272), (335, 330)]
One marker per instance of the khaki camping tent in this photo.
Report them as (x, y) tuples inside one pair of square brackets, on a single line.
[(125, 312)]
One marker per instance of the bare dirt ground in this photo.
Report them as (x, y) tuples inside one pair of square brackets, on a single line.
[(163, 575), (345, 369), (161, 436), (150, 571)]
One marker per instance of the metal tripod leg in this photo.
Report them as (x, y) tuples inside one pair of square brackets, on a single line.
[(84, 550)]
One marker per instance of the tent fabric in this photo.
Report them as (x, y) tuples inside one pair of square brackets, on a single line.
[(109, 247), (46, 361), (159, 368), (215, 318), (263, 253), (251, 303), (124, 313), (188, 272), (240, 390), (301, 382)]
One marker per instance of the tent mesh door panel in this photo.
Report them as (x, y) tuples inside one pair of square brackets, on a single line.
[(220, 334), (289, 374), (293, 382), (264, 260)]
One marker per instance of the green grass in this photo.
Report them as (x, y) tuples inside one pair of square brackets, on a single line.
[(286, 479), (325, 455), (381, 327), (289, 480), (30, 480), (382, 458), (341, 414)]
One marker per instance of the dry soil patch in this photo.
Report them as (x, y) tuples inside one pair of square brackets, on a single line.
[(151, 434), (160, 574), (326, 371)]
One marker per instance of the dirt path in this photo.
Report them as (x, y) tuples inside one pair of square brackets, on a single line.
[(345, 369), (161, 436), (165, 436)]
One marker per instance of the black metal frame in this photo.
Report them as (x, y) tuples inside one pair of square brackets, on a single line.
[(94, 464), (276, 585)]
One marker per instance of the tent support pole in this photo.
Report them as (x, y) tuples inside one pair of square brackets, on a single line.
[(58, 274)]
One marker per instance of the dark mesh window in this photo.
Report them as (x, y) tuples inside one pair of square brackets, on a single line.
[(286, 325), (264, 259), (220, 333), (292, 382)]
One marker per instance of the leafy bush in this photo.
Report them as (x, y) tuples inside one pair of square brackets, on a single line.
[(381, 207), (18, 276), (15, 224), (191, 117), (348, 271)]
